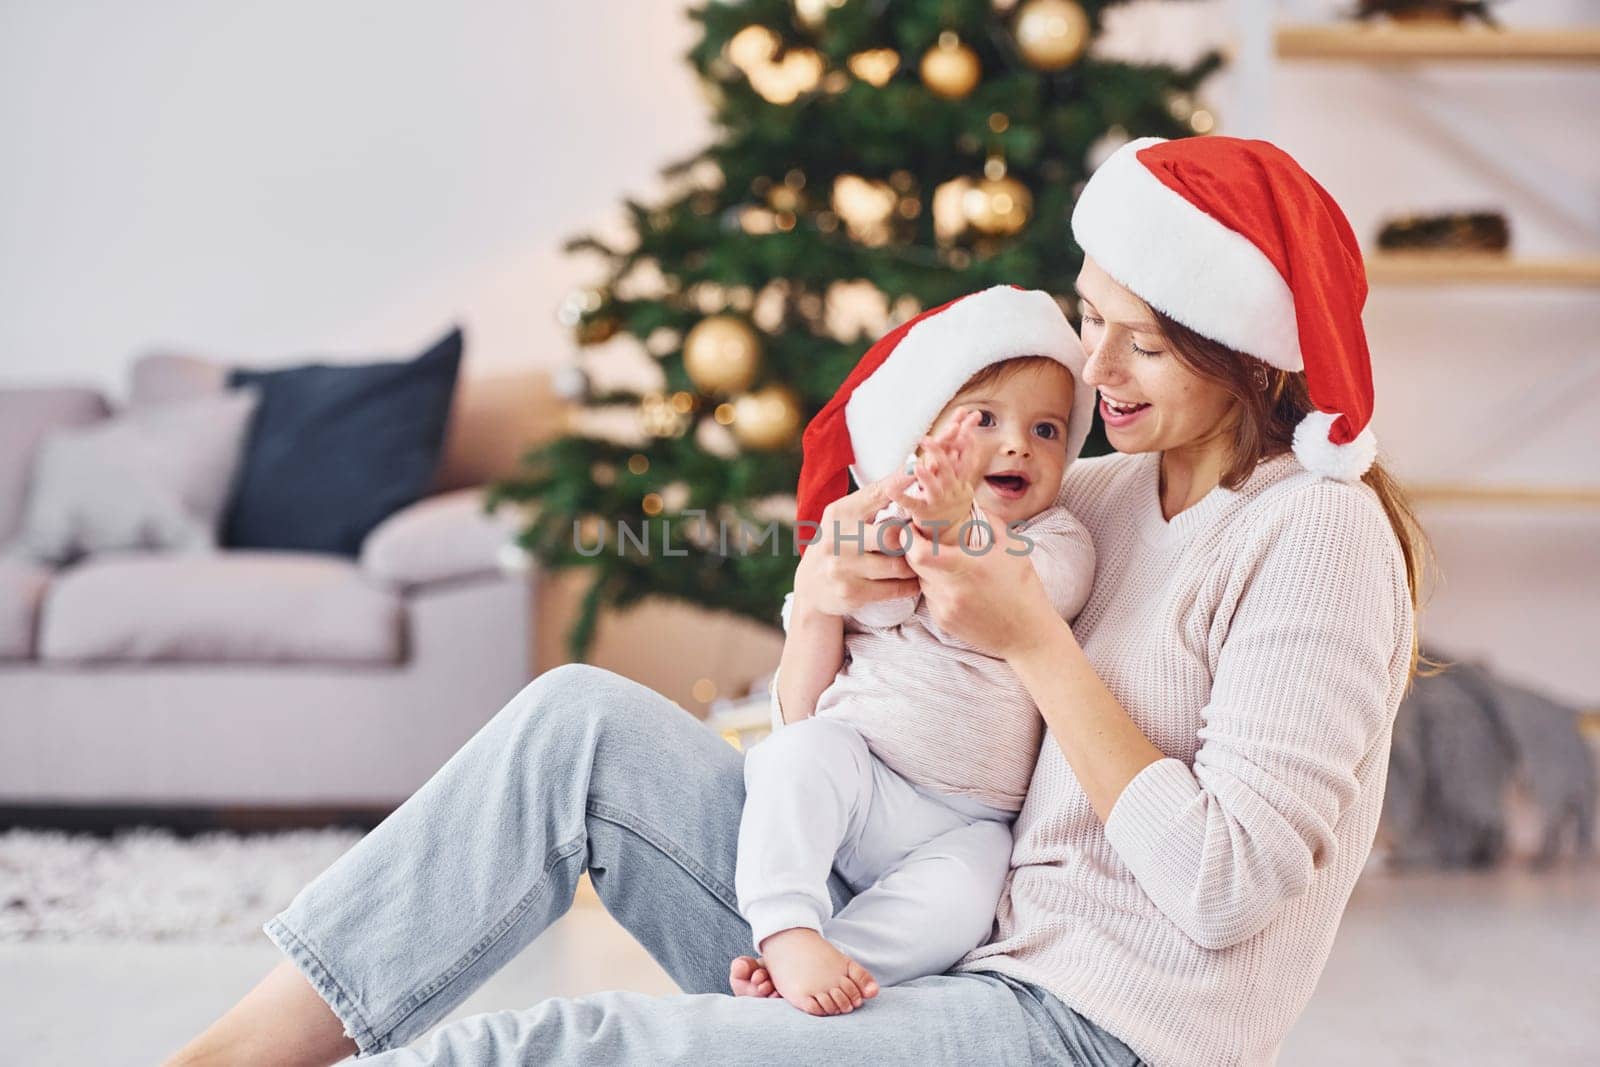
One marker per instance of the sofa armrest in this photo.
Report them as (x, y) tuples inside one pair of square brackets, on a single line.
[(439, 539)]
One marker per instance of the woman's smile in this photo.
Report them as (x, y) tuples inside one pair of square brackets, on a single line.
[(1118, 414)]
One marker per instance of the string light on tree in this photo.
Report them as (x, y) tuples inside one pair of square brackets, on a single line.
[(950, 208), (1051, 34), (722, 354), (875, 66), (658, 417), (754, 50), (950, 69), (865, 206)]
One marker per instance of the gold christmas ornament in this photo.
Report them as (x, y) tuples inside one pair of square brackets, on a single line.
[(950, 69), (874, 66), (597, 329), (1051, 34), (767, 418), (997, 206), (722, 354)]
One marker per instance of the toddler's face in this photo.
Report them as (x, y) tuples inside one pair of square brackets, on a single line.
[(1022, 437)]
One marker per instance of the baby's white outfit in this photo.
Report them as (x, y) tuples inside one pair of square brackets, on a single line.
[(905, 781)]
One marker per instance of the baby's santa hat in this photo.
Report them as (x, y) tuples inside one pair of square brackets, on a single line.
[(907, 377), (1237, 242)]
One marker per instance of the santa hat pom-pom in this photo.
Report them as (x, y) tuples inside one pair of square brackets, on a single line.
[(1317, 454)]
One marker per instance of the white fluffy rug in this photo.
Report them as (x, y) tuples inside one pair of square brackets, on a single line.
[(151, 885)]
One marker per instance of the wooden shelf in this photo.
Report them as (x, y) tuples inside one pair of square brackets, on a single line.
[(1443, 268), (1387, 43), (1526, 497)]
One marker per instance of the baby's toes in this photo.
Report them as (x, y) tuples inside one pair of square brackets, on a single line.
[(816, 1006), (841, 1001), (863, 980)]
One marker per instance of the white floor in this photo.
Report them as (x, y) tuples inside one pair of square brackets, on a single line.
[(1435, 969)]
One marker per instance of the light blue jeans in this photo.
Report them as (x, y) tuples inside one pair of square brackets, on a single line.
[(585, 770)]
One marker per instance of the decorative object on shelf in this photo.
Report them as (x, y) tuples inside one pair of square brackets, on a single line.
[(1051, 34), (767, 418), (1462, 231), (950, 69), (1426, 12), (722, 354)]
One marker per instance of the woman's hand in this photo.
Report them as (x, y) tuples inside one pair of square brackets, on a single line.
[(840, 573), (992, 600)]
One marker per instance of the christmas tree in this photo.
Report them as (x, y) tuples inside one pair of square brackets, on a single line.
[(872, 159)]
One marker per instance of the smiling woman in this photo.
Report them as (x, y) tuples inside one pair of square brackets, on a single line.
[(1216, 718)]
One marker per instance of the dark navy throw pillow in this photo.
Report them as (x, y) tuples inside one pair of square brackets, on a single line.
[(336, 449)]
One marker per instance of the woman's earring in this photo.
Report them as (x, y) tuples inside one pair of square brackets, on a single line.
[(1261, 378)]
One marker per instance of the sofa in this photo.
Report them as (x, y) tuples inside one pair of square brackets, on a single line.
[(264, 679)]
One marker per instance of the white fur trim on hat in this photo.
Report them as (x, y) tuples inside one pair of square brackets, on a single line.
[(889, 412), (1181, 261), (1317, 454)]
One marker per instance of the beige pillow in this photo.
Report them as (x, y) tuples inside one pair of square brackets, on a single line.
[(153, 478)]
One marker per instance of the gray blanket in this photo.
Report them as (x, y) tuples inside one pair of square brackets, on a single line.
[(1462, 740)]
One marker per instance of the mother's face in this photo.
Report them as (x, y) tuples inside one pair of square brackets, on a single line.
[(1149, 400)]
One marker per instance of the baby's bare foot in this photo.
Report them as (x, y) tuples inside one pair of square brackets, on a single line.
[(748, 977), (814, 976)]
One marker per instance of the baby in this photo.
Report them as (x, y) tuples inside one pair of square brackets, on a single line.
[(906, 774)]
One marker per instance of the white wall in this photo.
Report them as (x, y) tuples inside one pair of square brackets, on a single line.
[(299, 178)]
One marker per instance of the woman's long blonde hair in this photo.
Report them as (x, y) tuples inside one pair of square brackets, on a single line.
[(1268, 417)]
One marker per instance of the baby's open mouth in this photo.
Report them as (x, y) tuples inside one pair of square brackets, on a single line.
[(1009, 486)]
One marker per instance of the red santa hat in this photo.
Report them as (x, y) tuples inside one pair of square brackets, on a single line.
[(1235, 241), (906, 378)]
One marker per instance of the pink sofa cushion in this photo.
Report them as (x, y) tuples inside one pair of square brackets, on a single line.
[(27, 416), (22, 586), (441, 539), (237, 606)]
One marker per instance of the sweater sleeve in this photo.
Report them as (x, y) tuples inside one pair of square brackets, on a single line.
[(1301, 694), (1063, 557), (884, 614)]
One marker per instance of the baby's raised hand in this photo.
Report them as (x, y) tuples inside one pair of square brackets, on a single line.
[(947, 475)]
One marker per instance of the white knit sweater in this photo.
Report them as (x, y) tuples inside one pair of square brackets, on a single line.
[(1261, 639)]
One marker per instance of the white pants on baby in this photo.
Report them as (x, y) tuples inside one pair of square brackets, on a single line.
[(927, 868)]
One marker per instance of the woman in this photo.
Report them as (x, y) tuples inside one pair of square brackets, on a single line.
[(1219, 718)]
